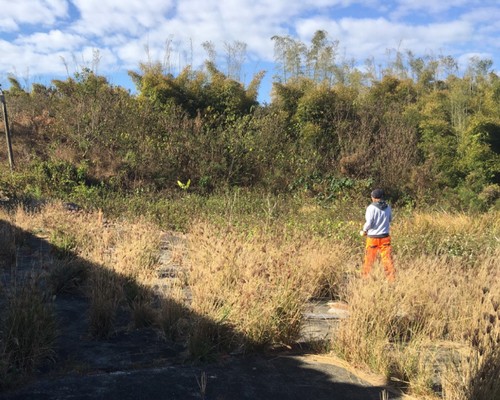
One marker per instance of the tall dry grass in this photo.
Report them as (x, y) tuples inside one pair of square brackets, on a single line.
[(27, 331), (460, 237), (128, 247), (434, 331), (27, 321), (113, 263), (258, 282), (476, 373), (416, 330)]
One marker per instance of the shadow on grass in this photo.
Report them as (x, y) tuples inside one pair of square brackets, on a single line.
[(72, 329)]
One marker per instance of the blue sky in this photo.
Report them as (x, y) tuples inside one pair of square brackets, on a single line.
[(41, 40)]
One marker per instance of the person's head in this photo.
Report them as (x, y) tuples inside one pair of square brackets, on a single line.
[(377, 194)]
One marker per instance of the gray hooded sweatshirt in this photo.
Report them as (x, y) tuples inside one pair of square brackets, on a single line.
[(378, 218)]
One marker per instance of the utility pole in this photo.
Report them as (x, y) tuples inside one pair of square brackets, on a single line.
[(7, 130)]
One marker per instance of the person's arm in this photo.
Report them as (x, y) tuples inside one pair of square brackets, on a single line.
[(368, 219)]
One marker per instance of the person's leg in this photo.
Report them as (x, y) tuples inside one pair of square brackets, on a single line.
[(386, 256), (371, 251)]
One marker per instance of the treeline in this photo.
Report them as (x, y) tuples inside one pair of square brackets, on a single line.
[(417, 127)]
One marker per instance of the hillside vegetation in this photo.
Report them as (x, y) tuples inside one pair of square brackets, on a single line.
[(416, 128)]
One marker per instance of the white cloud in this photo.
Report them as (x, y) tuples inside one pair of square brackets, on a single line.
[(132, 53), (54, 40), (44, 12), (362, 38), (439, 10), (23, 62), (101, 17), (487, 21), (8, 24), (406, 7), (131, 31)]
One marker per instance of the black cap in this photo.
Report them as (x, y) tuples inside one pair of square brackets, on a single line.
[(378, 194)]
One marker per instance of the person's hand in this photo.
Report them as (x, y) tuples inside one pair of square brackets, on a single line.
[(362, 233)]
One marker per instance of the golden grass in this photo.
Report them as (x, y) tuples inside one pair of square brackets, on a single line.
[(249, 289), (393, 328), (130, 248), (258, 283), (121, 261), (476, 374), (459, 236)]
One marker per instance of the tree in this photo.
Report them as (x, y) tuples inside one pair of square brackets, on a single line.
[(235, 58), (479, 153), (320, 58), (295, 59), (288, 54)]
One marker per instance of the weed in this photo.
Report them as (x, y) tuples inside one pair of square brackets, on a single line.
[(207, 338), (28, 330), (140, 302), (65, 244), (7, 244), (143, 313), (105, 290), (172, 317), (67, 276), (476, 374), (202, 384), (257, 284)]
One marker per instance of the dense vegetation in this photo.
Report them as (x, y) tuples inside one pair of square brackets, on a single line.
[(416, 128), (272, 197)]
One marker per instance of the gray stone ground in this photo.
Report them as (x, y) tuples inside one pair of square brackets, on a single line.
[(138, 364), (280, 376)]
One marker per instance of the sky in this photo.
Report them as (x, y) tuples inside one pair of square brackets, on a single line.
[(41, 40)]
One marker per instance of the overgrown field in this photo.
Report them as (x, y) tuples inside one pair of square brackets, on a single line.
[(435, 331), (269, 199)]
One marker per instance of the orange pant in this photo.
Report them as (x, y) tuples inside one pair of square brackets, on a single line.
[(373, 247)]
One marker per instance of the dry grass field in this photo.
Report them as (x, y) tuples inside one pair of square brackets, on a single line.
[(435, 331)]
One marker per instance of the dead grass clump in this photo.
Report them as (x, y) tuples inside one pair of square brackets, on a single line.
[(27, 332), (140, 302), (257, 283), (208, 337), (476, 374), (143, 313), (136, 250), (7, 241), (391, 326), (105, 291), (67, 276), (173, 315)]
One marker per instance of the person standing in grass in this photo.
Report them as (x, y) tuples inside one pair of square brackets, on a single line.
[(378, 218)]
